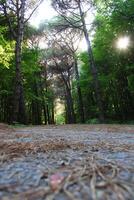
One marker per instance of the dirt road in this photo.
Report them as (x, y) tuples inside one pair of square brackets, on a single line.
[(67, 162)]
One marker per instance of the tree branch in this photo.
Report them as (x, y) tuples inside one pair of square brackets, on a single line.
[(9, 21), (39, 3)]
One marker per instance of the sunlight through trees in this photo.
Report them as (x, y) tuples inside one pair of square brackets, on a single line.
[(40, 65)]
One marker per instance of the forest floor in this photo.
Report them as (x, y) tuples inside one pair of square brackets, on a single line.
[(68, 162)]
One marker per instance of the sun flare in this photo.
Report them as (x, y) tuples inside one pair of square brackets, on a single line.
[(123, 42)]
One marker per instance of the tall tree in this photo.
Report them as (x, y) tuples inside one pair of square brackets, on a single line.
[(61, 64), (68, 40), (114, 21), (14, 12), (74, 12)]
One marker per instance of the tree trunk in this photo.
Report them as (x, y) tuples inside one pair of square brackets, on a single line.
[(68, 112), (52, 114), (36, 113), (18, 99), (19, 114), (126, 105), (93, 67), (45, 113), (48, 115), (70, 108), (80, 100), (69, 101)]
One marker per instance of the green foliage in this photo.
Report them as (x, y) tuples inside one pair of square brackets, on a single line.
[(115, 67), (92, 121), (60, 119), (18, 125), (42, 86), (6, 50)]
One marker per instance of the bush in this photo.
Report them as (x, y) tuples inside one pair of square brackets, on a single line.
[(92, 121), (60, 119)]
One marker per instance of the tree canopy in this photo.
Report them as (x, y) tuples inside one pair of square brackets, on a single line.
[(90, 86)]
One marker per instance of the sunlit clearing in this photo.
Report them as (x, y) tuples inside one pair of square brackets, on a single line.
[(123, 42)]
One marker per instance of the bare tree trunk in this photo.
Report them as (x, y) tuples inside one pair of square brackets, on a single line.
[(18, 99), (69, 101), (52, 114), (45, 114), (48, 114), (93, 67), (80, 100), (68, 112), (70, 107)]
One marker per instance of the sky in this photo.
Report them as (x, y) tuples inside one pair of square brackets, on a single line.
[(43, 12), (46, 12)]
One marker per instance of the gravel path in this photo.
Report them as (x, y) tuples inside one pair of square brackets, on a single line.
[(89, 162)]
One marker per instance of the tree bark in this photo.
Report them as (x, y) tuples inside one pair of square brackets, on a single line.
[(93, 67), (45, 114), (52, 114), (19, 114), (70, 107), (80, 100)]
